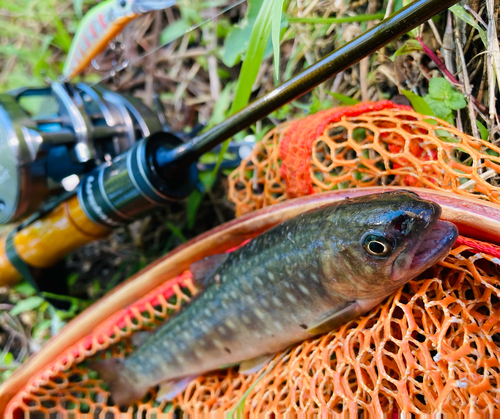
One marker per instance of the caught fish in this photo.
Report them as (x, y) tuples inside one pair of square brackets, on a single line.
[(304, 277), (102, 24)]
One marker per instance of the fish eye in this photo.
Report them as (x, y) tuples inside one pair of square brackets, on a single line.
[(123, 3), (377, 245)]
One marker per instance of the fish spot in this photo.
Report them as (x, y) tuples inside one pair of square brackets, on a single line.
[(291, 297), (259, 281), (260, 314), (227, 349), (230, 324), (265, 303), (303, 289), (246, 319), (233, 294), (301, 275), (271, 276), (304, 326), (277, 301), (217, 343), (217, 279), (222, 330)]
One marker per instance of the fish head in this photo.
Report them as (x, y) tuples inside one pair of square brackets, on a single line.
[(388, 239)]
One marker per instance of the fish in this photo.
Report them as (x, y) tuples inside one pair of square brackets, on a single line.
[(100, 25), (304, 277)]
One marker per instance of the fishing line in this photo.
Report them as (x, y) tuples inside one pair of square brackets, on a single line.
[(128, 63)]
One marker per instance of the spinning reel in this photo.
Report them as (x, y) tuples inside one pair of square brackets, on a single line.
[(51, 136)]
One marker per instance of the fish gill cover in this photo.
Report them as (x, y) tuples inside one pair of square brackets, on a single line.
[(433, 346)]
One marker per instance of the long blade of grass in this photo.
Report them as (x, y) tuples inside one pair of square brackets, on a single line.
[(276, 29), (253, 59)]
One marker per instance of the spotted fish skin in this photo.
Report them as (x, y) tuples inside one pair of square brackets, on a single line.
[(308, 271)]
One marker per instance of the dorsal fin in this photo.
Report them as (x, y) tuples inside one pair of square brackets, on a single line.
[(203, 269)]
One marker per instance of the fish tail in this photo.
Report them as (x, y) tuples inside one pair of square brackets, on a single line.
[(124, 390)]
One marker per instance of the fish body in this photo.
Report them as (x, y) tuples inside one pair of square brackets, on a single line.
[(304, 277), (101, 25)]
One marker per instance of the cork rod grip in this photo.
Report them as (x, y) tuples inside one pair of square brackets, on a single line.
[(49, 239)]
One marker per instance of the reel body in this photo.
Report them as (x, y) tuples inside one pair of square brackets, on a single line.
[(51, 136)]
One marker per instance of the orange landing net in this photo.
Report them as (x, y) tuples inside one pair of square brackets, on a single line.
[(434, 346)]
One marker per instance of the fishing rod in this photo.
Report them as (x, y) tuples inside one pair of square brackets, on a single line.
[(161, 168)]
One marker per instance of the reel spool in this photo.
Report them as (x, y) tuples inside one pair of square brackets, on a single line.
[(51, 136)]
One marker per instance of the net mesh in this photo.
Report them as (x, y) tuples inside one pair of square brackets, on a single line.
[(431, 347), (364, 145)]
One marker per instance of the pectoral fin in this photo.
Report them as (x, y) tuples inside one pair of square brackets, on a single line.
[(202, 270), (343, 313), (170, 389), (334, 319), (255, 364)]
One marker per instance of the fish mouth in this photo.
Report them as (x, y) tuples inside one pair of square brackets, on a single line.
[(434, 246)]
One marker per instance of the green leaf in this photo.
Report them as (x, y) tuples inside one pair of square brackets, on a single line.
[(443, 98), (56, 324), (25, 305), (25, 288), (418, 103), (193, 204), (455, 101), (439, 88), (462, 14), (221, 105), (176, 231), (41, 327), (174, 31), (255, 53), (346, 100), (72, 279), (276, 30), (410, 46), (6, 359), (237, 39), (77, 5), (438, 107), (483, 130)]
